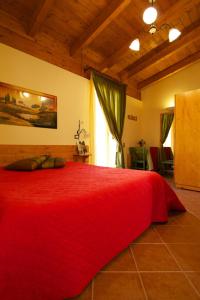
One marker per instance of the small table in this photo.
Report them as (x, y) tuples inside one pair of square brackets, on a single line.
[(81, 157)]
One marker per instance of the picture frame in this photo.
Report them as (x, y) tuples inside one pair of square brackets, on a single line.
[(24, 107)]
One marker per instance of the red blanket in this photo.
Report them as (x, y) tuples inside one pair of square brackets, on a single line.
[(59, 227)]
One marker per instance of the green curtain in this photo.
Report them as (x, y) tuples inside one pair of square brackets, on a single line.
[(112, 98), (166, 122)]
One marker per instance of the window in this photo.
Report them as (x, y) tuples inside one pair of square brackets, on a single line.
[(104, 143), (170, 138)]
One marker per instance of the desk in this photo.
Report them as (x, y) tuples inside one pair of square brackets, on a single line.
[(81, 157)]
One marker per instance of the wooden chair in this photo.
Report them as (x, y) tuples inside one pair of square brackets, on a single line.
[(138, 158), (166, 160)]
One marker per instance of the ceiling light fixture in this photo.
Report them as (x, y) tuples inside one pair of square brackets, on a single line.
[(153, 29), (150, 14), (135, 45), (174, 33), (149, 17)]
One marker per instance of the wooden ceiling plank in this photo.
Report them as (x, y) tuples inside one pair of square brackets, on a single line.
[(170, 70), (39, 16), (100, 23), (169, 15), (176, 11), (10, 22), (189, 34), (45, 48), (114, 58)]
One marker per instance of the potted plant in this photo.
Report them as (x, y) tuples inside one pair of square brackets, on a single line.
[(141, 143)]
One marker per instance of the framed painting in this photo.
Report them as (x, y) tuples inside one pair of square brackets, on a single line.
[(23, 107)]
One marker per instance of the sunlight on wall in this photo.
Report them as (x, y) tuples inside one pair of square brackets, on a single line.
[(170, 102), (105, 145), (160, 95)]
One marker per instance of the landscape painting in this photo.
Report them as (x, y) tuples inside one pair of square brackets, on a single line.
[(23, 107)]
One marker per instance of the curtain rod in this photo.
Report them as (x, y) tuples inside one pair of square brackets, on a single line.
[(88, 68)]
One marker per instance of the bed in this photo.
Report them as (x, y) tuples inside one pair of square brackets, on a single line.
[(59, 227)]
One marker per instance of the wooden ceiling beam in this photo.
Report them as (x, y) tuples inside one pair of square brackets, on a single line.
[(189, 34), (168, 16), (100, 23), (11, 23), (114, 58), (39, 16), (170, 70)]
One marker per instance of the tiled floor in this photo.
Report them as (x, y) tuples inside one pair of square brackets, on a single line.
[(162, 264)]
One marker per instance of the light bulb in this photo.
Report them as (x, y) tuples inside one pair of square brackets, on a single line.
[(150, 15), (173, 34), (135, 45)]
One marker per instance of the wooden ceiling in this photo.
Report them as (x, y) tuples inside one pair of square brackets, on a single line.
[(73, 34)]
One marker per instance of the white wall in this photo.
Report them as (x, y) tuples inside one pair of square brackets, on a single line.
[(72, 93), (161, 94)]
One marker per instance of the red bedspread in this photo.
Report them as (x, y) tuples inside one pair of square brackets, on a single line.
[(59, 227)]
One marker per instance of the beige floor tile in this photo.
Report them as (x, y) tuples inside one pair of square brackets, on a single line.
[(187, 219), (149, 236), (168, 286), (187, 255), (173, 218), (85, 295), (150, 257), (123, 262), (179, 234), (195, 278), (118, 286), (196, 212)]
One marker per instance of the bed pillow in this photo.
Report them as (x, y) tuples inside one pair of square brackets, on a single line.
[(27, 164), (53, 162)]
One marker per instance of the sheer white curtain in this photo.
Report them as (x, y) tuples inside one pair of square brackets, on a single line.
[(170, 138), (104, 144)]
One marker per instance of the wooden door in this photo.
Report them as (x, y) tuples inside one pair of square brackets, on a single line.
[(187, 140)]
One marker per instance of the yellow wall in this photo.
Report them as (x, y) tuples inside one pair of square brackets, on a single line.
[(72, 93), (132, 129), (160, 95)]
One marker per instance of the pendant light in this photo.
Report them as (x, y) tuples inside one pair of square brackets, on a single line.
[(135, 45), (174, 33), (150, 14), (149, 17)]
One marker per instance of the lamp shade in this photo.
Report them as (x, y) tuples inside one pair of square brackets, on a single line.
[(174, 34), (135, 45), (150, 15)]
